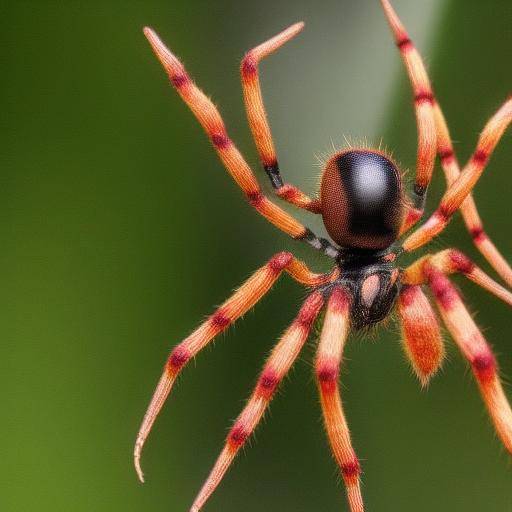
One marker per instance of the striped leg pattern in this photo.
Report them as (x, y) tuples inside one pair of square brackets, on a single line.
[(210, 119), (461, 187), (423, 106), (475, 349), (468, 208), (452, 261), (329, 356), (421, 334), (258, 121), (276, 367), (238, 304)]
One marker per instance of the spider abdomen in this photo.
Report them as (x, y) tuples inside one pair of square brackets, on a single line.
[(361, 196)]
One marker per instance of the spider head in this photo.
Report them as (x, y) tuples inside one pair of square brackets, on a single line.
[(361, 196)]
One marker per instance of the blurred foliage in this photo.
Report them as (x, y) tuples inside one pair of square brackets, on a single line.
[(121, 231)]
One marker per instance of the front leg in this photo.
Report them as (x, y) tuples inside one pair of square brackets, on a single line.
[(258, 121)]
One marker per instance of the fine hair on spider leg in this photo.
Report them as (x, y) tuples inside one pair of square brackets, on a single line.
[(365, 210), (476, 350), (421, 334)]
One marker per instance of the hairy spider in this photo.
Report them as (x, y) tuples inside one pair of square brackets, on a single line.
[(365, 212)]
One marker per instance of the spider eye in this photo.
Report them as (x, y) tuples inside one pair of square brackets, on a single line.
[(361, 195)]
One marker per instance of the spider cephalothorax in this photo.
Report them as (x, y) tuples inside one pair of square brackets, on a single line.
[(365, 212), (361, 199)]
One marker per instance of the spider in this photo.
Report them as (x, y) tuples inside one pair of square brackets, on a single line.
[(366, 213)]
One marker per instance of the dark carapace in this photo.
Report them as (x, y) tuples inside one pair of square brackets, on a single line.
[(361, 197)]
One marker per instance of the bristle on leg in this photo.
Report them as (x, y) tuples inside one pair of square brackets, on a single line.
[(276, 367), (476, 350), (421, 334)]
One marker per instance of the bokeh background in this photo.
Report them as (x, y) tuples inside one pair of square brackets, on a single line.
[(120, 231)]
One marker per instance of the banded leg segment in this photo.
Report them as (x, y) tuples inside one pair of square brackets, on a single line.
[(238, 304), (461, 187), (277, 366), (468, 207), (258, 120), (329, 356), (210, 119), (452, 261), (475, 349), (423, 106)]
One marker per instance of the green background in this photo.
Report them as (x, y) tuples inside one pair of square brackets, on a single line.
[(120, 231)]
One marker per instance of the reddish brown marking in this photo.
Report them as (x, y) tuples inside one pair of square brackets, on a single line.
[(446, 156), (267, 383), (255, 198), (480, 157), (220, 140), (351, 470), (409, 294), (280, 261), (249, 66), (179, 80), (339, 301), (443, 290), (443, 213), (462, 262), (288, 193), (179, 356), (413, 215), (220, 319), (478, 234), (308, 311), (404, 43), (238, 435), (327, 373), (424, 96), (484, 366)]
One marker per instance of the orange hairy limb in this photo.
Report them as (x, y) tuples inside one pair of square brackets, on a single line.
[(276, 367), (423, 107), (421, 334), (452, 261), (475, 349), (468, 207), (210, 119), (238, 304), (328, 360), (258, 120), (461, 187)]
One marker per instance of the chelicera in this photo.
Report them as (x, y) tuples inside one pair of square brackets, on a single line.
[(367, 215)]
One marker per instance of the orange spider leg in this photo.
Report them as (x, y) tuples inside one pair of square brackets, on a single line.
[(451, 261), (476, 350), (459, 190), (281, 359), (210, 119), (258, 121), (468, 208), (238, 304), (330, 350), (421, 333), (423, 102)]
